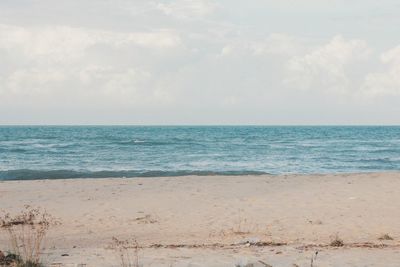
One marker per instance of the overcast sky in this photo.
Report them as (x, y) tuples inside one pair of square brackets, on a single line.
[(199, 62)]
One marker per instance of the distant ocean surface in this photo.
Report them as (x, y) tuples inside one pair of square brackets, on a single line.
[(139, 151)]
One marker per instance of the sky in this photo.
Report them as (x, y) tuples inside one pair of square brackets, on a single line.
[(200, 62)]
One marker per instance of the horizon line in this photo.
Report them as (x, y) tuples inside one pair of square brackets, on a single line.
[(207, 125)]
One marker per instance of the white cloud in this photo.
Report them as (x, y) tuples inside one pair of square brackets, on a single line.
[(66, 44), (96, 83), (155, 39), (227, 50), (187, 9), (386, 82), (57, 43), (128, 86), (31, 81), (328, 67), (100, 65), (278, 44), (275, 44)]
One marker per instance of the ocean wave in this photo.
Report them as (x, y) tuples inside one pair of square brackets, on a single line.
[(141, 143), (26, 174), (81, 152), (150, 143)]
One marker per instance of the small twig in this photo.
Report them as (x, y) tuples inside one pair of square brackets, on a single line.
[(265, 264)]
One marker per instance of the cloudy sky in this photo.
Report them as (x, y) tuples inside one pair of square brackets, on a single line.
[(199, 62)]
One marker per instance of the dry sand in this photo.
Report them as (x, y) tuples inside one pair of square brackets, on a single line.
[(218, 221)]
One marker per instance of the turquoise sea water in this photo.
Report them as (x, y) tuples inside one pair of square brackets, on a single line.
[(106, 151)]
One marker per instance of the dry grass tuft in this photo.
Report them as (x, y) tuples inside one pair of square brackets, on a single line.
[(242, 226), (336, 242), (26, 234), (128, 251)]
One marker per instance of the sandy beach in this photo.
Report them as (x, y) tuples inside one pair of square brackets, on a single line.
[(218, 220)]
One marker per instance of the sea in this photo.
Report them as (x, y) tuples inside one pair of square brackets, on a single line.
[(59, 152)]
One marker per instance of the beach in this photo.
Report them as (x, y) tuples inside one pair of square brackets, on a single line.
[(280, 220), (199, 133)]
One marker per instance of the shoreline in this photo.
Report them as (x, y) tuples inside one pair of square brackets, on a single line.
[(216, 174), (184, 216)]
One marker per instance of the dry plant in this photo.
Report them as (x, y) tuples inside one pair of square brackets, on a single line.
[(128, 251), (336, 241), (243, 226), (26, 234), (385, 237)]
